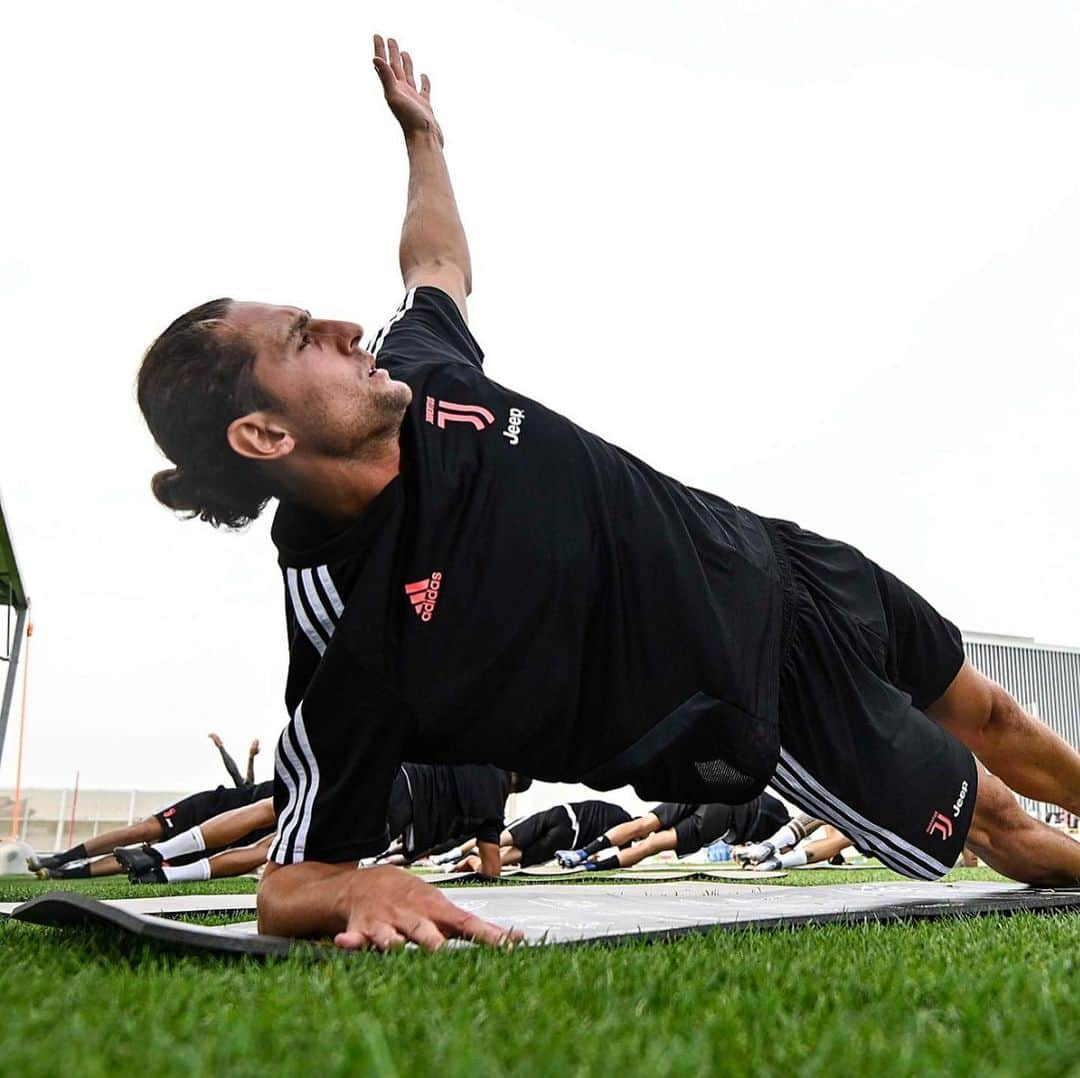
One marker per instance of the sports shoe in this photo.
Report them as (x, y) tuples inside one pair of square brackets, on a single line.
[(35, 863), (137, 859), (149, 875), (748, 856), (769, 864), (571, 858)]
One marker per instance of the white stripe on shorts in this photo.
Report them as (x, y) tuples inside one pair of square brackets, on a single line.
[(890, 847)]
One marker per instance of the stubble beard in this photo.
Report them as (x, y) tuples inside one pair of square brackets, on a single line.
[(380, 420)]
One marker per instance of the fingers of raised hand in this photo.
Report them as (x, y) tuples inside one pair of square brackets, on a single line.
[(395, 58), (425, 86), (406, 63)]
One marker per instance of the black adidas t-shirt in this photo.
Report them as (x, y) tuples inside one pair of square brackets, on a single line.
[(432, 805), (524, 594)]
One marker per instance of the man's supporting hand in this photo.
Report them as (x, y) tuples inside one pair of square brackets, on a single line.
[(410, 105), (381, 907)]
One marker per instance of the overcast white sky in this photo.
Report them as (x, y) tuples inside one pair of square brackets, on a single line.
[(821, 258)]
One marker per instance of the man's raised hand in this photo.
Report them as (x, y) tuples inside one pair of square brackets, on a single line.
[(410, 105)]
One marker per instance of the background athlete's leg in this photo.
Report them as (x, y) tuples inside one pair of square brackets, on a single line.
[(632, 855), (1022, 751), (1016, 844), (228, 761), (632, 831), (147, 830), (253, 751)]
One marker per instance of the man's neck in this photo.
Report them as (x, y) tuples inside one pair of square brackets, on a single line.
[(340, 489)]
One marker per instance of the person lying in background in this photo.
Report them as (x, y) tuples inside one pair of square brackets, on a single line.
[(533, 840), (86, 860), (682, 828)]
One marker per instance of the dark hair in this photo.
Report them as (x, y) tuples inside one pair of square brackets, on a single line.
[(193, 382)]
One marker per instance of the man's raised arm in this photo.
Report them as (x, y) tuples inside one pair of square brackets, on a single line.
[(433, 248)]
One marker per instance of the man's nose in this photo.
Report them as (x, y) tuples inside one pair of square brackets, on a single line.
[(350, 336)]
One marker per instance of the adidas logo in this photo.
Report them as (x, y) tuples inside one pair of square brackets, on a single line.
[(424, 594)]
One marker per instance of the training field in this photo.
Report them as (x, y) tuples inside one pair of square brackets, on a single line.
[(988, 996)]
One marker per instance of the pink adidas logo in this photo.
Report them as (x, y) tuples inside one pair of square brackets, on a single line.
[(424, 594), (442, 412)]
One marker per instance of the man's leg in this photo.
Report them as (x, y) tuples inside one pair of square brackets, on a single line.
[(632, 855), (784, 839), (1022, 751), (1016, 844), (228, 761), (81, 870), (253, 751), (823, 849), (619, 835), (147, 830), (217, 833), (234, 862)]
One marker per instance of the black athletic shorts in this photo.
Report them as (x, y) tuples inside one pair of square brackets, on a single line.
[(752, 822), (864, 656), (702, 827), (203, 806), (669, 813), (538, 836)]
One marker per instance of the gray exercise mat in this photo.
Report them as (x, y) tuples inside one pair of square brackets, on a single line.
[(569, 914), (167, 905)]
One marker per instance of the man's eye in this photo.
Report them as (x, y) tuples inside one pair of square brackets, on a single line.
[(305, 340)]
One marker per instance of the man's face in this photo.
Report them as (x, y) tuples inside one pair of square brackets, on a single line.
[(330, 393)]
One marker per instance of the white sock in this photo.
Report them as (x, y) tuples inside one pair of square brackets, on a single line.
[(456, 854), (183, 844), (784, 838), (793, 859), (197, 870)]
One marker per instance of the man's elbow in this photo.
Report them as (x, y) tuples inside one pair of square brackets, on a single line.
[(268, 901), (452, 275)]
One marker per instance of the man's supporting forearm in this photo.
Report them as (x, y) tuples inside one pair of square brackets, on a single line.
[(432, 234)]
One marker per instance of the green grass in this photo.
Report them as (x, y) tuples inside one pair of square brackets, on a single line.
[(993, 996)]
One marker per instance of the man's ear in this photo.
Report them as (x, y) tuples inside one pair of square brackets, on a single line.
[(258, 436)]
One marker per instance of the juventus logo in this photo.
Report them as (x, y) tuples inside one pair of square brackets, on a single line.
[(940, 825), (442, 412)]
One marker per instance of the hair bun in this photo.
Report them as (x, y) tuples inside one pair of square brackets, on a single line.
[(169, 488)]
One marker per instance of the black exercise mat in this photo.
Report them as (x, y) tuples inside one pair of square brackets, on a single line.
[(70, 909), (570, 914)]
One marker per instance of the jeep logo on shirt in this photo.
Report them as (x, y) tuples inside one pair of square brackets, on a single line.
[(513, 426)]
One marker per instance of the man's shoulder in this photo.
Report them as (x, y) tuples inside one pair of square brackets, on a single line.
[(427, 328)]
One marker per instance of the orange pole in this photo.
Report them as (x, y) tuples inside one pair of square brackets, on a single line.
[(22, 730)]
